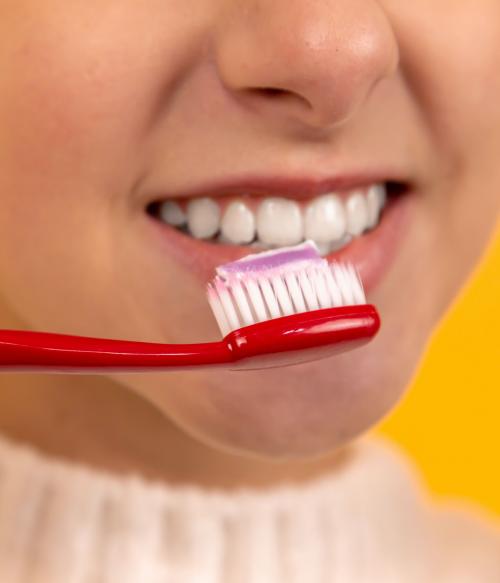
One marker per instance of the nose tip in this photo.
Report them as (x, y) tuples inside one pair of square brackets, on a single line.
[(311, 61)]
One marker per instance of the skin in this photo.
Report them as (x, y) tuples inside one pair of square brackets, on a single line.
[(103, 103)]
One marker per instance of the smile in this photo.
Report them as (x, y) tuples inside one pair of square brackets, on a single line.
[(358, 224), (331, 220)]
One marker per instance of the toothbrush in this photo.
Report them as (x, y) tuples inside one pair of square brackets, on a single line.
[(275, 308)]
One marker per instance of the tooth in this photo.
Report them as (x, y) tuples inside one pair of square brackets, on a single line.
[(203, 215), (171, 213), (382, 194), (258, 245), (323, 248), (357, 214), (336, 245), (373, 205), (375, 200), (279, 222), (325, 219), (238, 223), (222, 239)]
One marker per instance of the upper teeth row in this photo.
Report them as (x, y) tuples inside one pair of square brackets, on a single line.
[(328, 219)]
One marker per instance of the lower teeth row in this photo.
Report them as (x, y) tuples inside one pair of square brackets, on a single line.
[(328, 220)]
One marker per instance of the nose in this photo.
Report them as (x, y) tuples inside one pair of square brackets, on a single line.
[(312, 62)]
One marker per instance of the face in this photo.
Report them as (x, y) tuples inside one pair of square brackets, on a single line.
[(109, 108)]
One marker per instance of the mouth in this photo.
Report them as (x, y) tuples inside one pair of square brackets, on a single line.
[(360, 223)]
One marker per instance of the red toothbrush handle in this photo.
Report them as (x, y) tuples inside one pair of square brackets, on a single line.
[(282, 341), (47, 352)]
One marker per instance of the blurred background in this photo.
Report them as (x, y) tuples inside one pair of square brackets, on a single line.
[(449, 422)]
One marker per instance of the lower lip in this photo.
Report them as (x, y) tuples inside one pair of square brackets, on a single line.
[(372, 254)]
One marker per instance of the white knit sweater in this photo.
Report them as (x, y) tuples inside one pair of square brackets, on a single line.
[(64, 523)]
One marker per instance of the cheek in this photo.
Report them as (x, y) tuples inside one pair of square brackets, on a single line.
[(77, 92), (80, 86), (57, 132), (451, 53), (62, 108)]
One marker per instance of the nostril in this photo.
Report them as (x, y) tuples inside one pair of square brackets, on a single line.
[(281, 96), (270, 91)]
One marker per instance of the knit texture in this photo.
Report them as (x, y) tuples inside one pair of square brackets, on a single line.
[(64, 523)]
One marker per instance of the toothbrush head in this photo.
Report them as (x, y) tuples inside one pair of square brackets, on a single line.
[(289, 306), (280, 283)]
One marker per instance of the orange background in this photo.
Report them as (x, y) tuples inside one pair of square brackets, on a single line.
[(449, 421)]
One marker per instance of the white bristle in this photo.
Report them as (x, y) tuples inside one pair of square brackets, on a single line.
[(333, 288), (246, 298), (357, 285), (269, 297), (218, 310), (338, 278), (282, 295), (228, 306), (256, 300), (345, 286), (308, 291), (295, 293), (242, 303), (321, 289)]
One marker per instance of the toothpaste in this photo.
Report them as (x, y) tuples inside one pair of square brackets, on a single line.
[(279, 260)]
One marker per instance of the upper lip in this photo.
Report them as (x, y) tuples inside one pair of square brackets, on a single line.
[(289, 186)]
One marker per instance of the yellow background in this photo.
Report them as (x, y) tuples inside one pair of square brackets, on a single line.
[(449, 421)]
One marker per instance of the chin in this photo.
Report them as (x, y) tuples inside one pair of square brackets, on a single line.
[(298, 412)]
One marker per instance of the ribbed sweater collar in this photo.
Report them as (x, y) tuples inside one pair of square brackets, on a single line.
[(62, 522)]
